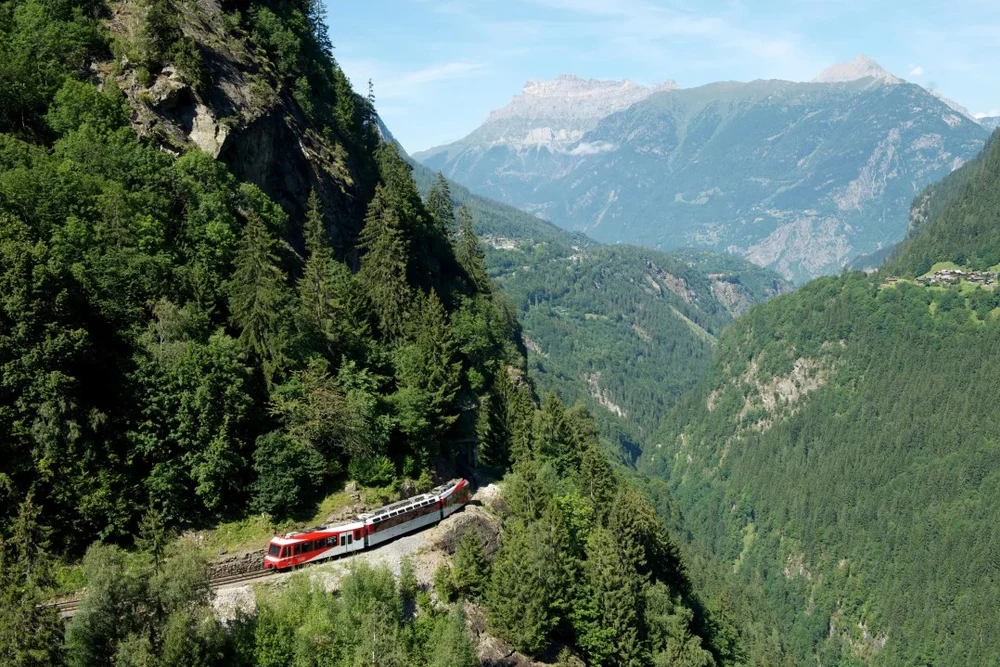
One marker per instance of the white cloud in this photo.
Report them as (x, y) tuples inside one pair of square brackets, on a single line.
[(917, 70), (993, 113)]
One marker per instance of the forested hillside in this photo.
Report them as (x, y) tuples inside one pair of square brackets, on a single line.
[(625, 330), (958, 220), (169, 341), (842, 457), (628, 330), (196, 326)]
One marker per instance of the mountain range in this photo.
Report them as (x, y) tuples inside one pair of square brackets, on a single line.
[(799, 177)]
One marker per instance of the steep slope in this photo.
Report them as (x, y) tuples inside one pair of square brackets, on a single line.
[(179, 342), (628, 330), (957, 220), (990, 122), (625, 330), (842, 455), (800, 177)]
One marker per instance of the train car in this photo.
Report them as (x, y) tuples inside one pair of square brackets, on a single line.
[(368, 529)]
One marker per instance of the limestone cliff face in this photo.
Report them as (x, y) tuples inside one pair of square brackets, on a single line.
[(244, 117)]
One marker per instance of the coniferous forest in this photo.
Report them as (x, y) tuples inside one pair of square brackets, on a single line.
[(177, 348), (198, 332)]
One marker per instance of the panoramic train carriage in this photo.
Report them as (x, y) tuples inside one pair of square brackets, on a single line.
[(368, 529)]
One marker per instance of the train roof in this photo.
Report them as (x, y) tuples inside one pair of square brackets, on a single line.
[(423, 499), (313, 533), (393, 509)]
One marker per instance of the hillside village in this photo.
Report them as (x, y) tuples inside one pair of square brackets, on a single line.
[(953, 276)]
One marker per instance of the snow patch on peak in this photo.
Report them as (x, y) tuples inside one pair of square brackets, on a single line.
[(861, 67)]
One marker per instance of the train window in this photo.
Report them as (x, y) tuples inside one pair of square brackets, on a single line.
[(318, 544), (284, 552), (297, 549), (349, 540), (343, 540), (273, 550), (357, 534), (331, 541)]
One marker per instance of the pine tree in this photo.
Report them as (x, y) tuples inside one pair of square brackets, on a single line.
[(613, 635), (470, 254), (440, 205), (331, 308), (469, 573), (384, 265), (30, 633), (258, 296), (553, 436)]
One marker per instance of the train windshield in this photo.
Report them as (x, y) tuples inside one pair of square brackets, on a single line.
[(273, 550)]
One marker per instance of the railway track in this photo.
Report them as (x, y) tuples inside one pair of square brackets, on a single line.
[(67, 608)]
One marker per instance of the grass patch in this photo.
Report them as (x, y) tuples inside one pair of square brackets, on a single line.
[(67, 579), (941, 266), (252, 532), (332, 503)]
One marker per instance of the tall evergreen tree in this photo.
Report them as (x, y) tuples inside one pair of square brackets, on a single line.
[(440, 205), (331, 307), (30, 633), (613, 636), (470, 254), (258, 296), (553, 436), (428, 368), (524, 589), (384, 265)]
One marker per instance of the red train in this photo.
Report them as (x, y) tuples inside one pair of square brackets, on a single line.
[(367, 530)]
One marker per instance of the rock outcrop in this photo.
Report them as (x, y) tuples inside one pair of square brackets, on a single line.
[(243, 116)]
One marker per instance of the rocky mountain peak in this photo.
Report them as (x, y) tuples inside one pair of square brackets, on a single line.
[(862, 67), (570, 97)]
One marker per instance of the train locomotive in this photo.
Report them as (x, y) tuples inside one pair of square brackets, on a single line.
[(367, 530)]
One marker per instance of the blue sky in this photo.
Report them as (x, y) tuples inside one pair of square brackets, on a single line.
[(440, 66)]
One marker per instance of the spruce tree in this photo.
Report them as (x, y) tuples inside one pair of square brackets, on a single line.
[(554, 438), (258, 296), (384, 265), (440, 205), (523, 583), (30, 633), (470, 254), (613, 636), (430, 367), (469, 572), (331, 307), (452, 646)]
